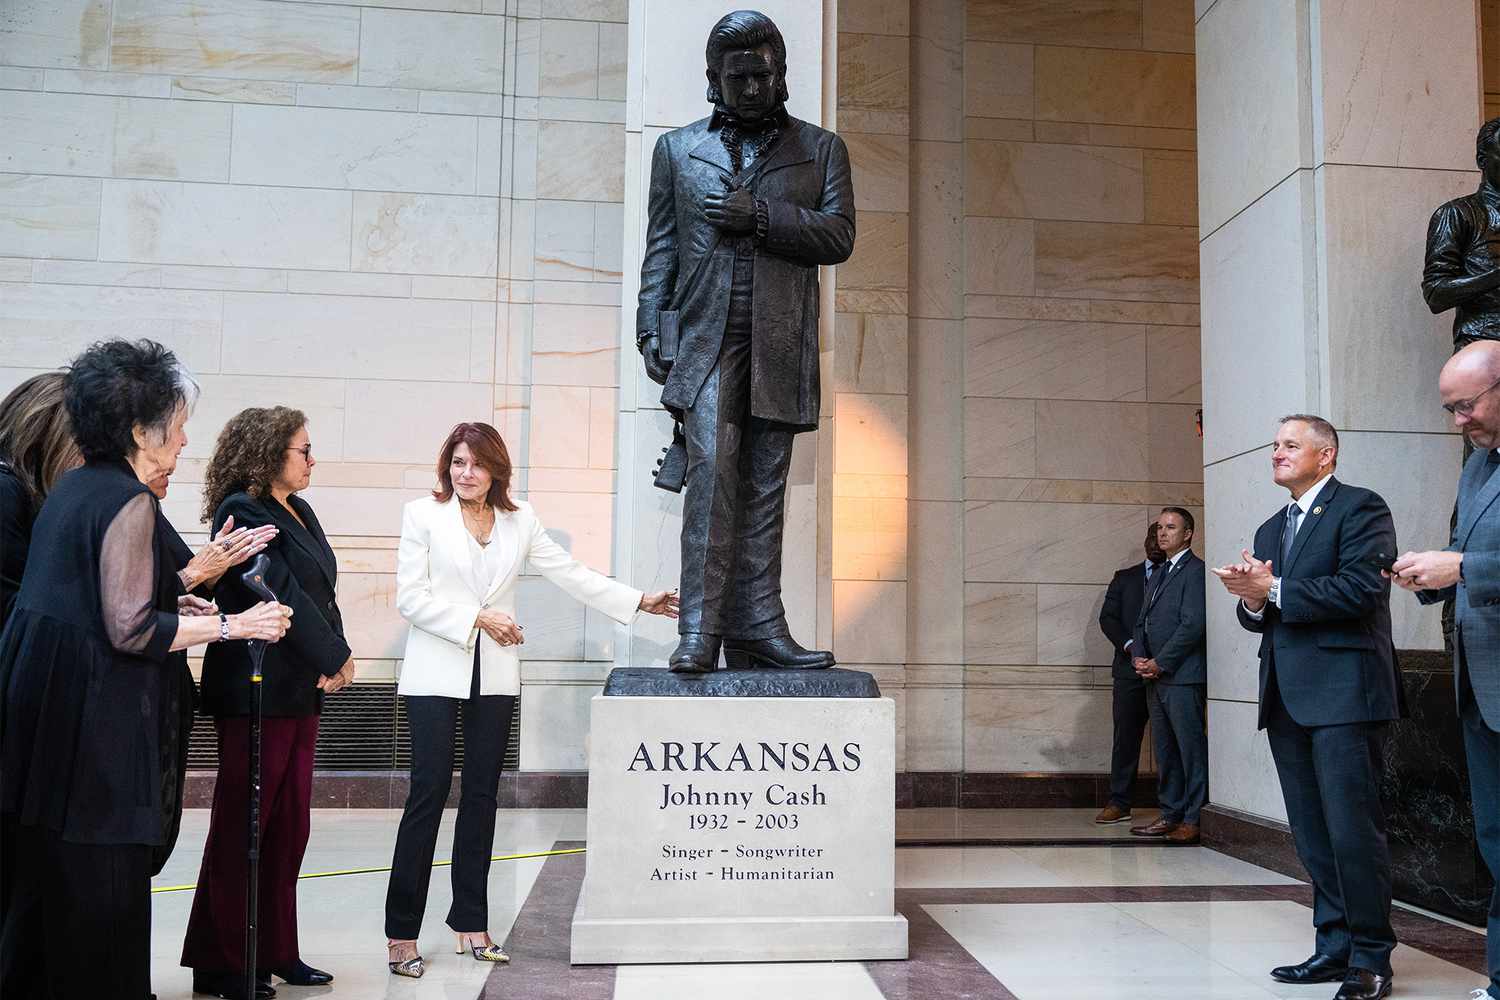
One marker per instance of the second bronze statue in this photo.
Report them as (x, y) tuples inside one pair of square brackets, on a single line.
[(744, 206)]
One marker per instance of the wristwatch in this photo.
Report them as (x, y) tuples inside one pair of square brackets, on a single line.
[(223, 628)]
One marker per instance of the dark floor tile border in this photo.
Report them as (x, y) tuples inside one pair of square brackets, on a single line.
[(938, 967), (540, 940), (1262, 842), (569, 790)]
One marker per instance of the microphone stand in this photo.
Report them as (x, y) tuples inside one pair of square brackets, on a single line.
[(255, 579)]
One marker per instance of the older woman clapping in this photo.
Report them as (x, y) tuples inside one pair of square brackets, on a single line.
[(461, 552), (88, 749)]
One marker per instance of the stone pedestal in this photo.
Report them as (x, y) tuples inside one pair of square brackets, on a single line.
[(740, 829)]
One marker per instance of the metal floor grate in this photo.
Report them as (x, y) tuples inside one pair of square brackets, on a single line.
[(364, 728)]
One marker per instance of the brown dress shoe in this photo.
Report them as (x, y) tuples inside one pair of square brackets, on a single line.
[(1186, 833), (1156, 828), (1112, 814)]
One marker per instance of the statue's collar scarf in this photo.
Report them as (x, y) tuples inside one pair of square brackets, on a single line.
[(747, 141), (724, 117)]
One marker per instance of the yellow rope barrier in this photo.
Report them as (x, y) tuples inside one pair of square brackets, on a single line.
[(374, 871)]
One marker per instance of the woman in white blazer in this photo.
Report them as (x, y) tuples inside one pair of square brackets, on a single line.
[(462, 550)]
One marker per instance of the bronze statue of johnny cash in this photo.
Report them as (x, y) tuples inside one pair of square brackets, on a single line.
[(743, 207)]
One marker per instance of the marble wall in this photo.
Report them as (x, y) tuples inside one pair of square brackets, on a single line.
[(1328, 134), (394, 216)]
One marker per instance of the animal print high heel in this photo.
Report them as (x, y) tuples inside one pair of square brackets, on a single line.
[(481, 947), (412, 967)]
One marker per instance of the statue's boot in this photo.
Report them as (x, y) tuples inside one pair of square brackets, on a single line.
[(697, 653), (781, 652)]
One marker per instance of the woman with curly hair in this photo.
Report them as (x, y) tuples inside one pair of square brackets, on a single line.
[(91, 684), (261, 461)]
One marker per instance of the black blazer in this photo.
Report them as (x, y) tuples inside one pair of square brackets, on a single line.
[(1330, 641), (302, 574), (1172, 628), (1122, 606)]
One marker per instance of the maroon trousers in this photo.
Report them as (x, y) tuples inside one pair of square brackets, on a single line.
[(216, 930)]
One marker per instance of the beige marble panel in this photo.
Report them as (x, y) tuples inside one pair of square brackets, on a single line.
[(1394, 74), (869, 538), (554, 726), (88, 272), (166, 222), (1053, 181), (1171, 187), (570, 59), (582, 523), (876, 17), (1176, 451), (1036, 729), (869, 353), (879, 262), (43, 325), (1000, 437), (335, 335), (1167, 25), (22, 78), (936, 408), (937, 76), (405, 421), (935, 598), (1173, 370), (57, 133), (1253, 103), (874, 72), (67, 34), (336, 148), (999, 623), (1078, 439), (337, 95), (1103, 261), (1049, 542), (200, 88), (1067, 626), (935, 269), (43, 216), (430, 51), (586, 10), (575, 345), (179, 140), (565, 240), (1384, 346), (225, 395), (609, 241), (613, 64), (1114, 87), (559, 431), (1259, 308), (585, 161), (881, 169), (998, 80), (934, 728), (1239, 762), (1043, 359), (425, 233), (870, 436), (1000, 256), (243, 39), (1014, 129), (1101, 23), (375, 628), (604, 408), (869, 621)]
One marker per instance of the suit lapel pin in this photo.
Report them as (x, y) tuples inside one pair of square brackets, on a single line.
[(1317, 510)]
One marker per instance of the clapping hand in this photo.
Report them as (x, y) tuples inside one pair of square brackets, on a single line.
[(230, 547), (1249, 580), (663, 603)]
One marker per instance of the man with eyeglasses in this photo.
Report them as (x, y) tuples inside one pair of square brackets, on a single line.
[(1313, 591), (1468, 573)]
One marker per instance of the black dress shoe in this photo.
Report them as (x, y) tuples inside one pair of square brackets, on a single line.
[(1318, 969), (301, 974), (697, 653), (1362, 984), (228, 986), (781, 651)]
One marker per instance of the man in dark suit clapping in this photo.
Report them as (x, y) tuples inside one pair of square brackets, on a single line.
[(1170, 651), (1468, 571), (1328, 685), (1122, 606)]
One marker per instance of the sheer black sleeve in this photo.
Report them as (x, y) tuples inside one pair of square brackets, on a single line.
[(127, 583)]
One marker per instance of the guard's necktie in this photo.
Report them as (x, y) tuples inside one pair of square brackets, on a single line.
[(1158, 581), (1491, 463), (1289, 534)]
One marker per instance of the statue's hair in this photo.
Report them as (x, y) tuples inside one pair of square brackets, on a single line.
[(739, 30), (1487, 133)]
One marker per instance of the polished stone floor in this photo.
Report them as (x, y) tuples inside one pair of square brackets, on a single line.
[(1047, 916)]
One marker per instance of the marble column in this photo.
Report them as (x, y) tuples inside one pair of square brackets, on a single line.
[(665, 89), (1328, 131)]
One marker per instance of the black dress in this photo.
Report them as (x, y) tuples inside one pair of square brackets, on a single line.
[(90, 709), (16, 516)]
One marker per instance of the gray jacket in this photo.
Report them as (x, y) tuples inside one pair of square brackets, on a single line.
[(1477, 596), (809, 197)]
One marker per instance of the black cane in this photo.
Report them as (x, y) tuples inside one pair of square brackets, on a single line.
[(255, 579)]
